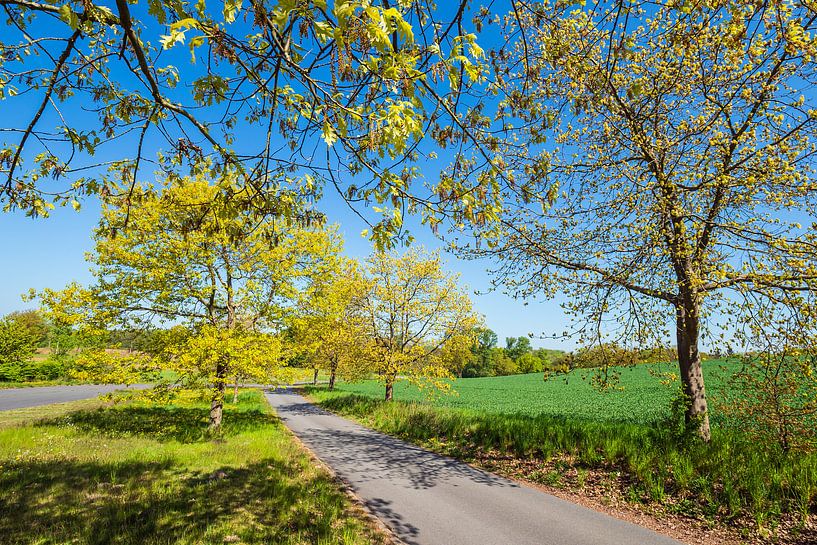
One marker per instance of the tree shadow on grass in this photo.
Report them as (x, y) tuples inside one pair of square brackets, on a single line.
[(159, 502), (163, 423)]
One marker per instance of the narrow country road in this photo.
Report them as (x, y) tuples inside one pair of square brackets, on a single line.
[(428, 499), (19, 398)]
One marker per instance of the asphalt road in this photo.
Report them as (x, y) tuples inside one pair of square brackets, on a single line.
[(428, 499), (18, 398)]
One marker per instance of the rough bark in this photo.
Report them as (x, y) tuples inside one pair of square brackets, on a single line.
[(689, 361), (315, 377), (235, 390), (389, 391), (217, 404), (332, 379)]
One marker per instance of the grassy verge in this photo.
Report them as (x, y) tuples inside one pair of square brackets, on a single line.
[(36, 383), (148, 473), (753, 487)]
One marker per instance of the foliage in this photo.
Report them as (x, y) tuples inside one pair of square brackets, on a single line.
[(775, 400), (728, 480), (35, 371), (489, 360), (516, 347), (412, 311), (330, 324), (653, 161), (109, 367), (180, 255), (17, 344), (774, 397), (355, 83), (34, 322), (147, 473), (20, 333), (248, 355), (530, 363)]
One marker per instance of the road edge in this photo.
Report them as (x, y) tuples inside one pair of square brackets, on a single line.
[(366, 513)]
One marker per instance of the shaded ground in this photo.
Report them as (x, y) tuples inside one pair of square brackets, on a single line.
[(147, 474)]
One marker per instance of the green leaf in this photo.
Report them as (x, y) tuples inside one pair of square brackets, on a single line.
[(231, 9), (69, 16), (328, 134)]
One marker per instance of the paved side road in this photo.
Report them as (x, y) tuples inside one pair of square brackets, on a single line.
[(18, 398), (428, 499)]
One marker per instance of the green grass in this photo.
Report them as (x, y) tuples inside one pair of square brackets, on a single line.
[(642, 397), (559, 429), (148, 473), (35, 383)]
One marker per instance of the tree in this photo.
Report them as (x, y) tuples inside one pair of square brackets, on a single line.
[(653, 162), (33, 321), (413, 310), (773, 398), (350, 86), (330, 325), (529, 362), (16, 342), (515, 347), (179, 255)]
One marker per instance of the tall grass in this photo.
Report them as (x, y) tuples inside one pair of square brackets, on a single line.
[(727, 479)]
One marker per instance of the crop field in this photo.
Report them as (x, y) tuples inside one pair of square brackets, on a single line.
[(639, 395), (559, 431)]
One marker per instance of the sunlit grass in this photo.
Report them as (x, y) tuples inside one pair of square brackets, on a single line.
[(149, 473), (653, 460), (638, 395)]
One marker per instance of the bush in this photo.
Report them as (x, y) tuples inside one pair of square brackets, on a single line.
[(17, 345), (28, 371), (530, 363)]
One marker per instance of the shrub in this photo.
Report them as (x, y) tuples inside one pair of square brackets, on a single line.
[(27, 371), (17, 345)]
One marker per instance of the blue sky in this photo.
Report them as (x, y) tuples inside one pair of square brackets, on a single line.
[(49, 252)]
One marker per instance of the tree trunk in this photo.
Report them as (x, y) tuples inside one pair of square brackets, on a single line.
[(315, 377), (217, 405), (332, 379), (235, 390), (389, 390), (689, 361)]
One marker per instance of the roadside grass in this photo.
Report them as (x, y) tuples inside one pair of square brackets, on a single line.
[(142, 472), (32, 415), (34, 384), (754, 488)]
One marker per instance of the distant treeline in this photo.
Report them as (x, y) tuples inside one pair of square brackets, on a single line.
[(518, 356), (487, 359), (24, 334)]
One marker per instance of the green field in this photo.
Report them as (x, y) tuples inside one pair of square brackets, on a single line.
[(560, 431), (147, 473), (639, 397)]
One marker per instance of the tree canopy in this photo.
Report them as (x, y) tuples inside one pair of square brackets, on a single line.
[(177, 255), (657, 160), (338, 94), (416, 315)]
